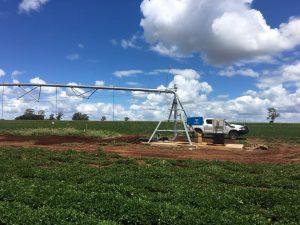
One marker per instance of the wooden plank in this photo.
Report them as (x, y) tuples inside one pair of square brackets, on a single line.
[(235, 146), (202, 145)]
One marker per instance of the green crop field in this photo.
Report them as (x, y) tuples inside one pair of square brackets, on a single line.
[(285, 131), (45, 187), (128, 128)]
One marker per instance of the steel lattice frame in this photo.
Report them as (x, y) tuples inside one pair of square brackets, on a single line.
[(91, 90)]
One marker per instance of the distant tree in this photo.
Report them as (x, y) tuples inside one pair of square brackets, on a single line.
[(40, 115), (272, 115), (41, 112), (30, 115), (103, 118), (51, 117), (29, 112), (80, 116), (59, 116), (126, 118)]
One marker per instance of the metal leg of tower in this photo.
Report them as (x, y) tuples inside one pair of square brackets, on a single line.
[(155, 131)]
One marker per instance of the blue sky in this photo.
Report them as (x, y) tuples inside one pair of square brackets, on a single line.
[(83, 42)]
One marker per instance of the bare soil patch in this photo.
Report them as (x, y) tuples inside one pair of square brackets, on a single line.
[(279, 152), (54, 140)]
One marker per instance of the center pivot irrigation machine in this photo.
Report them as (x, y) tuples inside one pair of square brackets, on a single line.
[(175, 114)]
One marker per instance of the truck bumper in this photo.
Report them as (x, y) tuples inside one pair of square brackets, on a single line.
[(244, 132)]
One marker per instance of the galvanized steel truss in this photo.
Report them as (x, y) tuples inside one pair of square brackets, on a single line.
[(89, 91)]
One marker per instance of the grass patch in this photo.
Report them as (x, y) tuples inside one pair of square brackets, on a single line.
[(61, 132), (287, 132), (45, 187), (121, 127)]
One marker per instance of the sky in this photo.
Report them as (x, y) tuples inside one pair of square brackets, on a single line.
[(230, 59)]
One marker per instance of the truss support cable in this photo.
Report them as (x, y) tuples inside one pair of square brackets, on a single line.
[(175, 108), (40, 93), (113, 106), (91, 94), (56, 102), (2, 108), (28, 93), (182, 107), (75, 92), (82, 94)]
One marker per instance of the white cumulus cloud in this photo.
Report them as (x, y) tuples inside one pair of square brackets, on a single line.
[(16, 73), (99, 83), (221, 31), (2, 73), (130, 43), (31, 5), (47, 90), (37, 80), (286, 74), (193, 92), (73, 57), (195, 96), (230, 72), (127, 73), (190, 90)]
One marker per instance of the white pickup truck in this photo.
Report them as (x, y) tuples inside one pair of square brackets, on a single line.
[(233, 131)]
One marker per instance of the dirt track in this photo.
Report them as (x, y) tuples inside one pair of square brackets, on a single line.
[(281, 153)]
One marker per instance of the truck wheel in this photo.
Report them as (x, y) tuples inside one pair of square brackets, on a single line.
[(233, 135), (199, 131)]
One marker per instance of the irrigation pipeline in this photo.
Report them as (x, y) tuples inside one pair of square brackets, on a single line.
[(88, 92), (91, 90), (28, 88), (168, 91)]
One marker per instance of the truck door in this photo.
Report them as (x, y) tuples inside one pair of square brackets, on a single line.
[(208, 127), (227, 127)]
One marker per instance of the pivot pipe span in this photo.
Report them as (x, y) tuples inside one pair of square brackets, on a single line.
[(93, 89)]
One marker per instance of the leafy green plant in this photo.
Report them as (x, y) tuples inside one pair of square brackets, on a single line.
[(46, 187)]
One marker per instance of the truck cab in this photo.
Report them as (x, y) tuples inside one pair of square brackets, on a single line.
[(205, 127)]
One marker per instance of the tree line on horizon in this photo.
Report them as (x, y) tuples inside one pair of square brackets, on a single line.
[(30, 114)]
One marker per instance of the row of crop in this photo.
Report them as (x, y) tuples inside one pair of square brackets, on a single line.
[(50, 185)]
